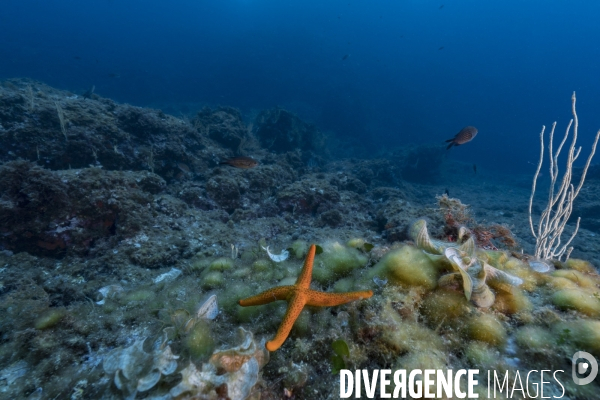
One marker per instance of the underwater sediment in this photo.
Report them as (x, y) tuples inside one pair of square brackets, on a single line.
[(126, 246)]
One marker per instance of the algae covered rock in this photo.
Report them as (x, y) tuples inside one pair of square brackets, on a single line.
[(199, 340), (576, 299), (535, 338), (583, 333), (480, 355), (579, 265), (486, 328), (512, 302), (336, 261), (408, 266), (49, 318), (447, 306)]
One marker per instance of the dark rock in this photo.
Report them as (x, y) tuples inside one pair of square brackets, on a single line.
[(332, 218), (281, 131), (223, 125)]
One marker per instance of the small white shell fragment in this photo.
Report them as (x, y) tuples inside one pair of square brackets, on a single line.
[(379, 282), (147, 382), (277, 257), (168, 276), (210, 309), (109, 292), (539, 265), (166, 361)]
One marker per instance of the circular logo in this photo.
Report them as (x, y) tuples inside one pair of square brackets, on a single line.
[(590, 365)]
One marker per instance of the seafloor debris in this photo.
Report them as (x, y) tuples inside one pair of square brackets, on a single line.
[(109, 292), (277, 257), (167, 276), (475, 276), (209, 309), (135, 370), (474, 273), (230, 373)]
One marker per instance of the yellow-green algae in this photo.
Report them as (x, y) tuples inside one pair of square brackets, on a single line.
[(49, 318), (578, 300), (408, 265), (336, 261), (486, 328)]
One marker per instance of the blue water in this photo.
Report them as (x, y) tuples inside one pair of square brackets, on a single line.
[(371, 71)]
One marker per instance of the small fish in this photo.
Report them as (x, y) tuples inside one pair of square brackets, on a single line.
[(447, 193), (475, 168), (442, 6), (345, 57), (241, 162), (114, 75), (441, 48), (183, 167), (465, 135)]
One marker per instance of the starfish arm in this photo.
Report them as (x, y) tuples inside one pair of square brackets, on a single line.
[(306, 273), (295, 306), (323, 299), (268, 296)]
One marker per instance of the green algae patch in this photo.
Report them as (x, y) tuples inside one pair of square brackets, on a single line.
[(408, 266), (578, 300), (221, 264), (262, 265), (486, 328), (199, 340), (299, 249), (512, 302), (411, 336), (495, 258), (49, 318), (581, 279), (337, 261), (138, 296), (579, 265), (583, 333), (535, 338), (213, 279), (480, 355), (344, 285), (446, 306)]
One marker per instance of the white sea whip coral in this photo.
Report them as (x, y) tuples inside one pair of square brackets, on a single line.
[(560, 202)]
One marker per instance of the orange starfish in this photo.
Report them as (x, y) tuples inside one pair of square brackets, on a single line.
[(298, 296)]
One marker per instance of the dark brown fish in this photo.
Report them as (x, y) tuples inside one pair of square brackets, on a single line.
[(465, 135), (241, 162)]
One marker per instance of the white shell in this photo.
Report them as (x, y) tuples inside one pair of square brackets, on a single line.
[(166, 361), (210, 308), (109, 292), (147, 382), (168, 276), (277, 257), (539, 265)]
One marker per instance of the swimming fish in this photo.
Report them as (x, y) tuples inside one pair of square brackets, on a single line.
[(475, 168), (465, 135), (241, 162)]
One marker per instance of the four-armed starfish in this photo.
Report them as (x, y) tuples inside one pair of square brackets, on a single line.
[(298, 296)]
